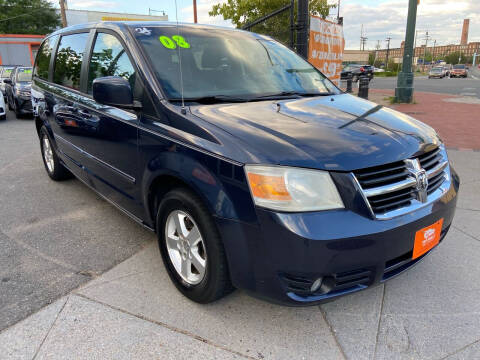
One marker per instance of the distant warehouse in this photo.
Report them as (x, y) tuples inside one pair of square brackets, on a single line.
[(21, 49), (17, 49)]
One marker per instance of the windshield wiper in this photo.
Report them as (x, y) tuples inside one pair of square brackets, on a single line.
[(212, 99), (293, 94)]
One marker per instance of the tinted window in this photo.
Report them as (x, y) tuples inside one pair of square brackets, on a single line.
[(7, 72), (43, 58), (68, 62), (109, 59), (224, 62), (24, 74)]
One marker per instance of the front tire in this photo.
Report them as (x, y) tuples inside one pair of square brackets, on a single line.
[(191, 247), (54, 168)]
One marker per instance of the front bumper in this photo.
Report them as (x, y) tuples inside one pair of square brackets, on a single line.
[(24, 104), (280, 258)]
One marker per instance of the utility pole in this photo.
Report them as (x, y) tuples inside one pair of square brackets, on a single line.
[(388, 51), (363, 40), (433, 52), (195, 11), (404, 89), (427, 37), (62, 11)]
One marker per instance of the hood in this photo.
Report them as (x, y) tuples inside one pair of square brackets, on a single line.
[(24, 85), (340, 132)]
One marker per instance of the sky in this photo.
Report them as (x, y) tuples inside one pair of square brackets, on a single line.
[(442, 19)]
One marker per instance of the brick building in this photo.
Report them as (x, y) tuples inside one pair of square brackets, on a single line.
[(396, 54)]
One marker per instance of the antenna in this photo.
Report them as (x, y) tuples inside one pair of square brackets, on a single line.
[(184, 111)]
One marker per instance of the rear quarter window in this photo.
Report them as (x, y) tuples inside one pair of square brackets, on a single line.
[(68, 62), (44, 55)]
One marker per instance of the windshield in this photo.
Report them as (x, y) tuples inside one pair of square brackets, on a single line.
[(437, 70), (24, 75), (217, 62), (6, 72), (459, 66)]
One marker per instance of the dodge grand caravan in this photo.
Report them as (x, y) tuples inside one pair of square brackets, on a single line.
[(254, 170)]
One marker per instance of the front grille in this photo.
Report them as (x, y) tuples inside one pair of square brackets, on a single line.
[(332, 284), (391, 187)]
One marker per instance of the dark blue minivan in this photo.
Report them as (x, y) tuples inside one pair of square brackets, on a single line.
[(255, 171)]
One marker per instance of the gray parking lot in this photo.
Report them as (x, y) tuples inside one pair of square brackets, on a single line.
[(54, 236), (456, 86), (59, 239)]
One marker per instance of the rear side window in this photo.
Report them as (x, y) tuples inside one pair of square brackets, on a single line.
[(68, 63), (109, 58), (43, 58)]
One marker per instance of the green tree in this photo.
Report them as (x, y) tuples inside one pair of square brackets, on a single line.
[(371, 58), (453, 58), (242, 12), (28, 17)]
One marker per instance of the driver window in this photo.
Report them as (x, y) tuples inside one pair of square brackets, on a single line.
[(109, 58)]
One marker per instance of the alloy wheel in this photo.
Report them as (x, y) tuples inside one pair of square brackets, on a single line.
[(185, 246), (48, 154)]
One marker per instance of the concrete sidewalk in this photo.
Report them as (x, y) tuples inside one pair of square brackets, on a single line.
[(454, 117), (134, 312)]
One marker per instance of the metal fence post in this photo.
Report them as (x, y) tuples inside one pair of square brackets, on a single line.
[(363, 85), (349, 83), (302, 28)]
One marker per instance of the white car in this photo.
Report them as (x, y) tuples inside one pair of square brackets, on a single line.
[(378, 70), (3, 110)]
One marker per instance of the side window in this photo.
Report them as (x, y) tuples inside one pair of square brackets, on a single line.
[(109, 58), (68, 62), (44, 55)]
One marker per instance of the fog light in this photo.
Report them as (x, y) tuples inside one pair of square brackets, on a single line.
[(316, 285)]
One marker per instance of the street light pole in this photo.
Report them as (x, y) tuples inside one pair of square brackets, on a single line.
[(404, 89)]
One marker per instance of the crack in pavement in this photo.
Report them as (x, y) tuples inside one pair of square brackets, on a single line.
[(324, 315), (379, 321), (466, 233), (50, 329), (459, 350), (170, 327)]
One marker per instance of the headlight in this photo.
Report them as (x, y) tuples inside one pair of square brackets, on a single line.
[(292, 189)]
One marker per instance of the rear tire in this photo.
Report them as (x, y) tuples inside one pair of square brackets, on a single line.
[(213, 281), (54, 168)]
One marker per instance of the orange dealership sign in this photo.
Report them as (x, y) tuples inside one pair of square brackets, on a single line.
[(325, 50)]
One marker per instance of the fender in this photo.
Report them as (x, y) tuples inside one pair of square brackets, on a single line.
[(214, 180)]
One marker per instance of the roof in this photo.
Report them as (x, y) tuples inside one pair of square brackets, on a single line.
[(123, 25)]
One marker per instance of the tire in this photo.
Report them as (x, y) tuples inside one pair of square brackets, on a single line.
[(3, 117), (54, 168), (214, 283), (15, 109)]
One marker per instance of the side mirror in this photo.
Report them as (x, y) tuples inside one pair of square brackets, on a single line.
[(113, 91), (7, 81)]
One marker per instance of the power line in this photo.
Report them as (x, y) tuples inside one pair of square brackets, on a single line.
[(26, 14)]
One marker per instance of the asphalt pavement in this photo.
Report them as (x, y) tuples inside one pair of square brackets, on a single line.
[(457, 86), (53, 236)]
